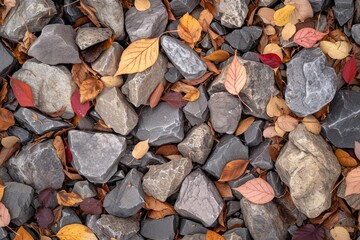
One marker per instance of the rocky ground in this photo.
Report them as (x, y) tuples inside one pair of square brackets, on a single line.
[(134, 120)]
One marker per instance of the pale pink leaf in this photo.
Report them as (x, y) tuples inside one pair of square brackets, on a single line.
[(257, 191), (307, 37), (353, 182), (235, 77)]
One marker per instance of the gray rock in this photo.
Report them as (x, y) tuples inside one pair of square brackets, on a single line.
[(267, 3), (206, 42), (71, 12), (110, 14), (356, 18), (198, 236), (232, 13), (343, 10), (245, 38), (38, 123), (343, 122), (97, 159), (7, 62), (253, 136), (91, 223), (84, 189), (311, 83), (137, 237), (20, 133), (52, 86), (251, 56), (173, 26), (163, 180), (355, 33), (127, 198), (180, 7), (108, 62), (173, 75), (260, 156), (225, 112), (68, 216), (259, 217), (319, 5), (230, 148), (89, 36), (160, 229), (3, 233), (116, 112), (139, 86), (17, 199), (199, 199), (4, 175), (309, 168), (197, 112), (161, 125), (37, 14), (274, 180), (37, 165), (198, 144), (352, 200), (218, 28), (151, 158), (119, 228), (232, 207), (61, 36), (188, 227), (86, 124), (183, 58), (146, 24)]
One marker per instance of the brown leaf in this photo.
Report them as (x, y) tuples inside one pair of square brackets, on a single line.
[(126, 3), (218, 56), (340, 233), (211, 235), (89, 89), (156, 95), (75, 231), (140, 149), (3, 92), (79, 73), (142, 5), (167, 150), (60, 149), (4, 216), (10, 141), (6, 119), (224, 189), (244, 125), (233, 170), (72, 176), (357, 149), (198, 81), (28, 39), (191, 93), (211, 66), (157, 208), (90, 13), (68, 199), (189, 29), (216, 39), (267, 15), (168, 9), (236, 77), (277, 107), (345, 159), (312, 124), (6, 153), (5, 7), (287, 123), (205, 19)]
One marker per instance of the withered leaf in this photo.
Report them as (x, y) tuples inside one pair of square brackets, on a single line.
[(90, 13), (345, 159), (6, 119), (9, 141), (205, 19), (167, 150), (189, 29), (236, 76), (68, 199), (6, 153), (22, 234), (277, 107), (174, 99), (312, 124), (158, 209), (287, 123), (191, 93), (211, 235), (156, 95), (257, 191), (90, 89), (233, 170), (224, 189), (244, 125), (76, 231), (140, 149)]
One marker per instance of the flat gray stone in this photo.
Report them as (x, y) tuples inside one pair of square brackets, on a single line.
[(218, 28), (274, 180), (84, 189), (260, 156), (343, 10), (311, 83), (356, 18), (89, 36), (118, 228), (68, 216), (180, 7), (23, 135), (188, 227), (183, 58), (197, 112), (108, 62), (139, 86), (72, 13), (7, 62), (232, 13), (55, 45), (198, 236), (146, 24), (51, 86), (319, 5), (245, 38), (116, 111), (96, 160), (355, 33), (164, 228), (173, 75), (163, 180), (253, 136), (308, 166), (199, 199)]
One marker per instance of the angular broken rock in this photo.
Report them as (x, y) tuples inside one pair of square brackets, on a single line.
[(96, 160), (188, 227), (37, 165), (116, 111), (68, 216), (199, 199), (197, 112), (108, 62), (232, 13), (180, 7), (164, 228), (84, 189), (118, 228), (245, 38), (309, 168), (8, 61), (23, 135), (163, 180), (260, 156), (253, 136), (89, 36)]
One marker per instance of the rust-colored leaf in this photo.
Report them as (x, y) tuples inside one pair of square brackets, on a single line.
[(216, 39), (156, 95), (198, 81), (218, 56), (158, 209), (174, 99), (22, 92), (168, 9), (189, 29), (233, 170), (205, 19), (236, 77), (211, 235), (68, 199), (90, 89), (167, 150), (257, 191), (244, 125), (90, 13), (5, 7), (345, 159), (3, 92), (6, 119), (6, 153), (224, 189), (9, 141), (191, 93)]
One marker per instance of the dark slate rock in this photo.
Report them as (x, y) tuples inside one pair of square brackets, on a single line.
[(146, 24), (71, 12), (342, 124), (180, 7), (251, 56), (197, 112), (343, 10), (118, 228), (199, 199), (173, 75), (319, 5), (160, 229), (90, 222), (206, 42), (127, 198), (97, 159), (150, 158), (136, 237), (253, 136), (57, 20), (232, 207), (161, 125), (89, 36), (86, 124), (108, 62), (7, 62), (183, 58), (260, 156), (198, 236), (218, 28), (311, 83), (21, 133), (84, 189), (188, 227), (355, 33), (229, 148), (128, 160), (61, 36), (232, 13), (234, 222), (241, 232), (37, 165), (17, 199), (274, 180), (228, 48), (68, 216), (3, 233), (4, 175), (267, 3), (245, 38), (356, 18), (172, 26)]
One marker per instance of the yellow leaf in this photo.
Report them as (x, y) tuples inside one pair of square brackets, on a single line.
[(189, 29), (244, 125), (288, 31), (142, 5), (218, 56), (9, 141), (340, 233), (345, 159), (236, 76), (312, 124), (273, 48), (205, 19), (191, 92), (337, 50), (140, 149), (22, 234), (267, 15), (111, 81), (76, 232), (68, 199), (139, 56), (89, 89), (277, 107), (282, 16)]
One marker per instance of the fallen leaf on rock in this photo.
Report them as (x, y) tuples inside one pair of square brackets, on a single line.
[(288, 31), (156, 95), (6, 153), (308, 37), (309, 231), (45, 197), (142, 5), (337, 50), (340, 233), (90, 89), (111, 81), (211, 67), (22, 92), (2, 190), (166, 150), (59, 146), (277, 107), (4, 10), (267, 15), (28, 39), (257, 191), (189, 29), (312, 124), (205, 19), (168, 9), (287, 123), (22, 234), (139, 56), (174, 99), (357, 149), (269, 30), (158, 209), (191, 92), (90, 13), (3, 92), (91, 206), (244, 125), (282, 16), (68, 199), (79, 108), (140, 149), (349, 70), (44, 217), (233, 170), (345, 159), (6, 119), (273, 48), (270, 59), (10, 141), (211, 235), (75, 232), (236, 76), (352, 182), (224, 189), (4, 216), (218, 56)]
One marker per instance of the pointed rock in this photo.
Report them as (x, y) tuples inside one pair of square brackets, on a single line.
[(108, 62), (89, 36)]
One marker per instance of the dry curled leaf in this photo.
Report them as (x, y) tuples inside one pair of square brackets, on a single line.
[(233, 170), (191, 92), (75, 232), (142, 5), (6, 153), (269, 30), (205, 19), (353, 182), (140, 149), (345, 159), (68, 199), (158, 209), (22, 234), (287, 123), (189, 29), (90, 89), (277, 107), (10, 141), (6, 119), (257, 191), (218, 56), (340, 233), (4, 10), (216, 39), (4, 216), (236, 76), (283, 15), (174, 99), (312, 124), (337, 50), (244, 125)]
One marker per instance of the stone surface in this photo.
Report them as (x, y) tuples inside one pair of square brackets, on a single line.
[(263, 220), (229, 148), (260, 156), (197, 112), (343, 10), (198, 144), (23, 135), (146, 24), (245, 38), (68, 216), (188, 227), (7, 62), (199, 199), (309, 168), (97, 159), (17, 199), (218, 28), (319, 5), (37, 165), (232, 207), (352, 200), (356, 18), (311, 83), (63, 38), (72, 13), (342, 124), (116, 111), (108, 62), (232, 13), (164, 228), (52, 86), (173, 75), (180, 7), (161, 125), (36, 14), (127, 198), (355, 33), (89, 36), (118, 228), (139, 86), (225, 112), (84, 189), (198, 236), (110, 14), (183, 58), (274, 180), (253, 136)]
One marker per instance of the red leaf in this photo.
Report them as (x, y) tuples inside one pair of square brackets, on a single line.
[(257, 191), (307, 37), (349, 70), (22, 92), (91, 206), (309, 232), (174, 99), (44, 217), (79, 108), (67, 152), (270, 59), (45, 197)]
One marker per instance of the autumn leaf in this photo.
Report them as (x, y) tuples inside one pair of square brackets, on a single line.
[(267, 15), (233, 170), (337, 50), (22, 234), (287, 123), (75, 232), (158, 209), (4, 216), (2, 190), (349, 70), (256, 191), (8, 4), (307, 37), (270, 59), (357, 149), (79, 108), (166, 150), (282, 16), (28, 39), (236, 77), (345, 159), (270, 132), (68, 199), (142, 5), (353, 182), (277, 107), (90, 13), (288, 31), (111, 81), (244, 125), (91, 206), (22, 92), (216, 39), (211, 235), (9, 141), (140, 149), (198, 81), (44, 217), (303, 10), (309, 231), (191, 92), (90, 89), (218, 56), (224, 189), (139, 56), (273, 48), (45, 197), (6, 153), (6, 119), (156, 95), (340, 233), (189, 29), (205, 19), (174, 99)]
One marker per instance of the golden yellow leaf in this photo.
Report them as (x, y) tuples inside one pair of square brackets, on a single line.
[(282, 16), (2, 190), (218, 56), (337, 50), (139, 56), (205, 19), (211, 235), (345, 159), (68, 199), (269, 30), (111, 81), (75, 232), (89, 89), (340, 233), (140, 149), (9, 141), (312, 124), (22, 234), (189, 29), (191, 92), (142, 5), (288, 31), (273, 48), (6, 119), (277, 107), (244, 125), (267, 15)]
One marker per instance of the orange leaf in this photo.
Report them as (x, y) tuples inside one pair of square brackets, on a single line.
[(211, 235), (89, 89), (353, 182), (168, 8), (216, 39), (142, 5), (189, 29), (345, 159), (4, 215), (75, 231), (218, 56), (157, 208), (205, 19), (233, 170), (191, 93), (22, 234), (236, 77), (224, 189), (68, 199), (167, 150), (257, 191), (244, 125), (6, 119), (156, 95)]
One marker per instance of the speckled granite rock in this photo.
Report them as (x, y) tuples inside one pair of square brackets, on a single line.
[(232, 13), (118, 228), (89, 36), (108, 62)]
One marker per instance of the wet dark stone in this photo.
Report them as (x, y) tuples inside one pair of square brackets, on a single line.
[(260, 156), (164, 228), (180, 7), (189, 227), (274, 180), (7, 62), (21, 133)]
